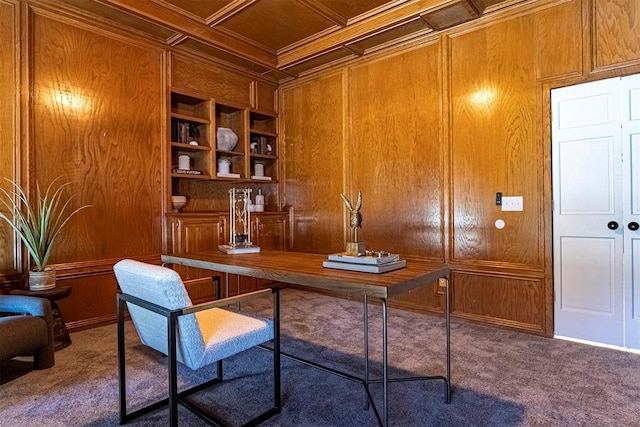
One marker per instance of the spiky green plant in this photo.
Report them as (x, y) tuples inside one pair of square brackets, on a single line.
[(38, 222)]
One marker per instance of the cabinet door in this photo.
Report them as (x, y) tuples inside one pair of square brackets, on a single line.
[(202, 234), (271, 232), (198, 234)]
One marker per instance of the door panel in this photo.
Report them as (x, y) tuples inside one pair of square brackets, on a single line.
[(630, 118), (587, 194), (588, 275), (586, 167)]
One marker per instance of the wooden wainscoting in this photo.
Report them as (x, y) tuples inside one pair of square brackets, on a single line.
[(93, 291), (516, 302)]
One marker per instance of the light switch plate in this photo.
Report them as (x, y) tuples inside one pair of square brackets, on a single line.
[(512, 203)]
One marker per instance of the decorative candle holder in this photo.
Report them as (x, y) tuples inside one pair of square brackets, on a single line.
[(240, 223)]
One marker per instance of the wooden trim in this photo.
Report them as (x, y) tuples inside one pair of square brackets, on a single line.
[(546, 215), (76, 18), (325, 12), (195, 29), (229, 10), (313, 48), (528, 327), (493, 16), (74, 270), (93, 322), (10, 280)]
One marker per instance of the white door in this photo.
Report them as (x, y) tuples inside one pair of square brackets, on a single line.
[(630, 111), (594, 153)]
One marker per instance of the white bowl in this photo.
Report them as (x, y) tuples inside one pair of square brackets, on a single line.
[(178, 202), (226, 139)]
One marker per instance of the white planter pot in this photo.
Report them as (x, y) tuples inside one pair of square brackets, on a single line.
[(42, 280)]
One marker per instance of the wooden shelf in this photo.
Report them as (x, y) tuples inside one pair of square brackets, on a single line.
[(264, 156), (190, 176), (188, 147), (190, 118), (262, 132), (229, 153)]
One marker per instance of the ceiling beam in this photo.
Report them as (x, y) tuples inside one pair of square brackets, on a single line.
[(358, 30), (325, 12), (195, 29), (228, 11)]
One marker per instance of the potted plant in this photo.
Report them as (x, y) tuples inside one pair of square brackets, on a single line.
[(38, 223)]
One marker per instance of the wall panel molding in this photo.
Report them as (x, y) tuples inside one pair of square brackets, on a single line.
[(615, 28), (10, 256), (516, 302)]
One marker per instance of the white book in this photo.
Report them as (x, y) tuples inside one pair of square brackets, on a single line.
[(369, 260), (228, 175), (366, 268)]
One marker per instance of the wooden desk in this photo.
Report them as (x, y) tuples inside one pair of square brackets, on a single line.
[(306, 270)]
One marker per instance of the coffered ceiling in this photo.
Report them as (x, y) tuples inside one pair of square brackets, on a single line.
[(281, 39)]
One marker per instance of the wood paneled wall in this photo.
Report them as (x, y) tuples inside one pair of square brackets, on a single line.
[(436, 127), (314, 162), (429, 130), (616, 25), (96, 121), (391, 156), (88, 103)]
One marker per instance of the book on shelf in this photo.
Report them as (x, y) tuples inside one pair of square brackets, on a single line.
[(182, 131), (366, 268), (187, 171), (228, 175), (369, 260), (261, 178)]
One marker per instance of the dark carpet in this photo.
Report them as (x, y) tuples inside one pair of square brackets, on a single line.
[(499, 377)]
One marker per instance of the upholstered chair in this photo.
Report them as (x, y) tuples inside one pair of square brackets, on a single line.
[(194, 335), (26, 327)]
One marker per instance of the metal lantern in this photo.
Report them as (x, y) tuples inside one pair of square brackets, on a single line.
[(239, 223)]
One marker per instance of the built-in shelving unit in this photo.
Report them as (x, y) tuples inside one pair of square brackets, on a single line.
[(198, 155)]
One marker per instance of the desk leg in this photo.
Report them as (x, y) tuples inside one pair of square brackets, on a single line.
[(447, 314), (366, 350), (385, 379)]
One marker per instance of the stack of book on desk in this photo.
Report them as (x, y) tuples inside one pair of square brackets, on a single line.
[(366, 264)]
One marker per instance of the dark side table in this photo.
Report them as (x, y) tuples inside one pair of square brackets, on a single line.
[(61, 338)]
